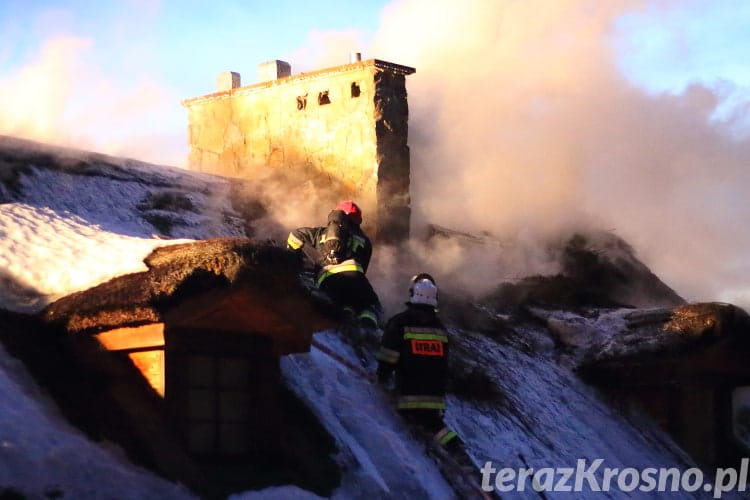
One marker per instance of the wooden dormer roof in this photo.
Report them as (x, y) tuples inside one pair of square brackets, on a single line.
[(230, 284)]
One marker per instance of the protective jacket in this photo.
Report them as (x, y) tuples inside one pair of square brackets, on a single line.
[(415, 346), (311, 239), (345, 282)]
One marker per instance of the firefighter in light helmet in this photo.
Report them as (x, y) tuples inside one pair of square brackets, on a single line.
[(414, 347), (341, 253), (423, 290)]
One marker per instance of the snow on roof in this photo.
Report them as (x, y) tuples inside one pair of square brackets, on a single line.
[(41, 453), (71, 220), (136, 298), (683, 328)]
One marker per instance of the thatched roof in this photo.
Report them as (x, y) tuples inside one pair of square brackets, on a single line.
[(177, 272), (660, 337), (596, 269)]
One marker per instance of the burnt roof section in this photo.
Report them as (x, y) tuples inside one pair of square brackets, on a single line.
[(177, 272), (376, 63), (653, 333)]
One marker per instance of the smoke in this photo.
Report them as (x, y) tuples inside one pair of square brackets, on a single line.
[(522, 125), (325, 49), (35, 96), (60, 97)]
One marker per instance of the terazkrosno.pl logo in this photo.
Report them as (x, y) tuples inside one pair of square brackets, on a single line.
[(591, 476)]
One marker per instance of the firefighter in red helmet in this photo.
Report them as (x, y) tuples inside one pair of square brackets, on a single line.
[(341, 253)]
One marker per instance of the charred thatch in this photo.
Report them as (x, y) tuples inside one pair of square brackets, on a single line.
[(656, 332), (707, 335), (597, 270), (175, 273)]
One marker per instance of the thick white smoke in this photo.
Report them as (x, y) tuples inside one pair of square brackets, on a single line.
[(521, 124), (60, 97)]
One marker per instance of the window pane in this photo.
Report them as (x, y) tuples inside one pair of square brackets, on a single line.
[(234, 373), (234, 439), (201, 438), (234, 406), (201, 371), (201, 404)]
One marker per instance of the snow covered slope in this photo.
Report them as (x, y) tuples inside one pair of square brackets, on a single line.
[(546, 417), (70, 220), (42, 456), (380, 457)]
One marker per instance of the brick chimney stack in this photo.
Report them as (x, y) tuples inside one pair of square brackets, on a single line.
[(227, 80), (273, 70)]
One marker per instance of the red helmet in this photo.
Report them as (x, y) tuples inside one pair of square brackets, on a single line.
[(351, 209)]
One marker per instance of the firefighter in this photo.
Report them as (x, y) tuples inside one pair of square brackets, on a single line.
[(341, 253), (415, 347)]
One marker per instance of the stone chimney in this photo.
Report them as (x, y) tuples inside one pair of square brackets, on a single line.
[(272, 70), (343, 130), (227, 80)]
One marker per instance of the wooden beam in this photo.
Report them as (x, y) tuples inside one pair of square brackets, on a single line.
[(136, 338)]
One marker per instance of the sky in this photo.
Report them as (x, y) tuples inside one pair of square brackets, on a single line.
[(627, 115), (111, 75)]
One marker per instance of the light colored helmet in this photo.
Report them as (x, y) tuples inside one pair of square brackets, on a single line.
[(423, 291)]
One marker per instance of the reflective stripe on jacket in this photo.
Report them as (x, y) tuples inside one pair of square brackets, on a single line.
[(349, 265), (425, 402), (293, 242), (425, 333), (415, 346)]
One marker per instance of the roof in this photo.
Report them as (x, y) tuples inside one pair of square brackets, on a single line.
[(321, 73), (711, 338), (179, 273), (596, 269)]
